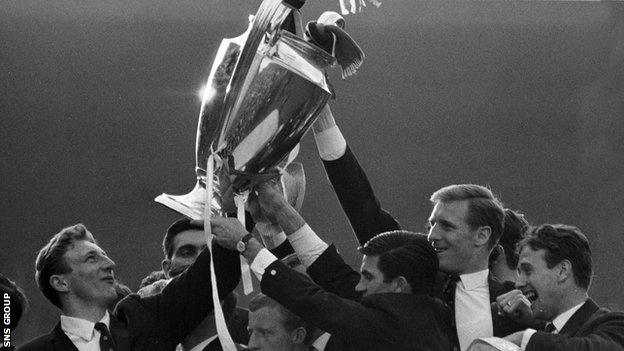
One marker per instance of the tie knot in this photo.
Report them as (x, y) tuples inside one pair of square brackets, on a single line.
[(101, 327), (550, 328)]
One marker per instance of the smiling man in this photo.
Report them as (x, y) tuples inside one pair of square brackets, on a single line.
[(76, 275), (555, 272), (465, 225)]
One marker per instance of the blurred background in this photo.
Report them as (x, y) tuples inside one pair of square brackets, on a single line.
[(99, 105)]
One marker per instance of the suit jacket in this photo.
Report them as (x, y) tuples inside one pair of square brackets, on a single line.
[(590, 328), (368, 219), (161, 321), (387, 321)]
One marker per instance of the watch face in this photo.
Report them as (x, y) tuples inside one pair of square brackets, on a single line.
[(240, 246)]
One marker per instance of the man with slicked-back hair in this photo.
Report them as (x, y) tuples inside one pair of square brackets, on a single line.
[(398, 271)]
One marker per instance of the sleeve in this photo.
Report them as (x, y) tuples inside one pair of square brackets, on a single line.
[(357, 198), (335, 276), (607, 333), (186, 300), (327, 311)]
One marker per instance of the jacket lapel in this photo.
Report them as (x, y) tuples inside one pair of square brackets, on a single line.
[(60, 341), (579, 318), (120, 334)]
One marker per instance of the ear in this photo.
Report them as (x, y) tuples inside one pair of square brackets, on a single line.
[(298, 335), (402, 286), (166, 266), (59, 283), (483, 235), (565, 271), (500, 253)]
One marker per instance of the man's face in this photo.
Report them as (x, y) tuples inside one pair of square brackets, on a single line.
[(539, 283), (91, 277), (267, 331), (452, 238), (187, 245), (371, 278)]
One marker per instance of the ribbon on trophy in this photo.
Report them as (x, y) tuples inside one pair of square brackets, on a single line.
[(265, 89), (224, 335)]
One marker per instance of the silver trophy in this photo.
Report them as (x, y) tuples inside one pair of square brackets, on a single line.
[(264, 91)]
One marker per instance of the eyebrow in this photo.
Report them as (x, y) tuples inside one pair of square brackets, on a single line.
[(88, 254), (442, 221)]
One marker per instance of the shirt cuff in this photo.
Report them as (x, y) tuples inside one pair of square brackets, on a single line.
[(526, 337), (307, 245), (331, 144), (263, 259), (271, 234)]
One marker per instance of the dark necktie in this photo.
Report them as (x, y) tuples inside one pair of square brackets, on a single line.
[(106, 340), (448, 294)]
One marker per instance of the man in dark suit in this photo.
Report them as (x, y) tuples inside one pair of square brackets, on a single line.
[(555, 271), (465, 224), (76, 275), (182, 244), (398, 271)]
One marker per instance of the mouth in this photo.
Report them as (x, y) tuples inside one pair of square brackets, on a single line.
[(110, 280), (530, 294), (438, 249)]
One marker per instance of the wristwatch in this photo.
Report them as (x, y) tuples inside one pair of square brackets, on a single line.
[(242, 244)]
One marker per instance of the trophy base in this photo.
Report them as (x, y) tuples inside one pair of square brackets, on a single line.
[(190, 205)]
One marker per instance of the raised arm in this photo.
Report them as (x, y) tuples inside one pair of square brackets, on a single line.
[(350, 182)]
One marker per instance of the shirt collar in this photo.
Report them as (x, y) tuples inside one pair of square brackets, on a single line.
[(321, 342), (475, 280), (82, 327), (563, 318)]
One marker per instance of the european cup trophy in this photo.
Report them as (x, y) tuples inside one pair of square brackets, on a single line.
[(264, 91)]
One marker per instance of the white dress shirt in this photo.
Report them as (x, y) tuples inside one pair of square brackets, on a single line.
[(321, 342), (330, 143), (473, 316), (82, 332), (558, 323)]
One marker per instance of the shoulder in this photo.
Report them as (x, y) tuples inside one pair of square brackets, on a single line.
[(42, 342)]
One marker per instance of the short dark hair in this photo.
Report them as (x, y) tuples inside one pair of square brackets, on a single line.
[(18, 300), (176, 228), (562, 242), (290, 320), (513, 231), (484, 209), (50, 260), (407, 254)]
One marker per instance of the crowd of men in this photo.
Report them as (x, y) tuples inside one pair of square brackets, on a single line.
[(481, 271)]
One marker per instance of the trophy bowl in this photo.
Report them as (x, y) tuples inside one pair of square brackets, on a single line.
[(263, 93)]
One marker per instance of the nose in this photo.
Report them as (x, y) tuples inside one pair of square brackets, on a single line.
[(433, 234), (108, 263), (520, 281), (360, 287)]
